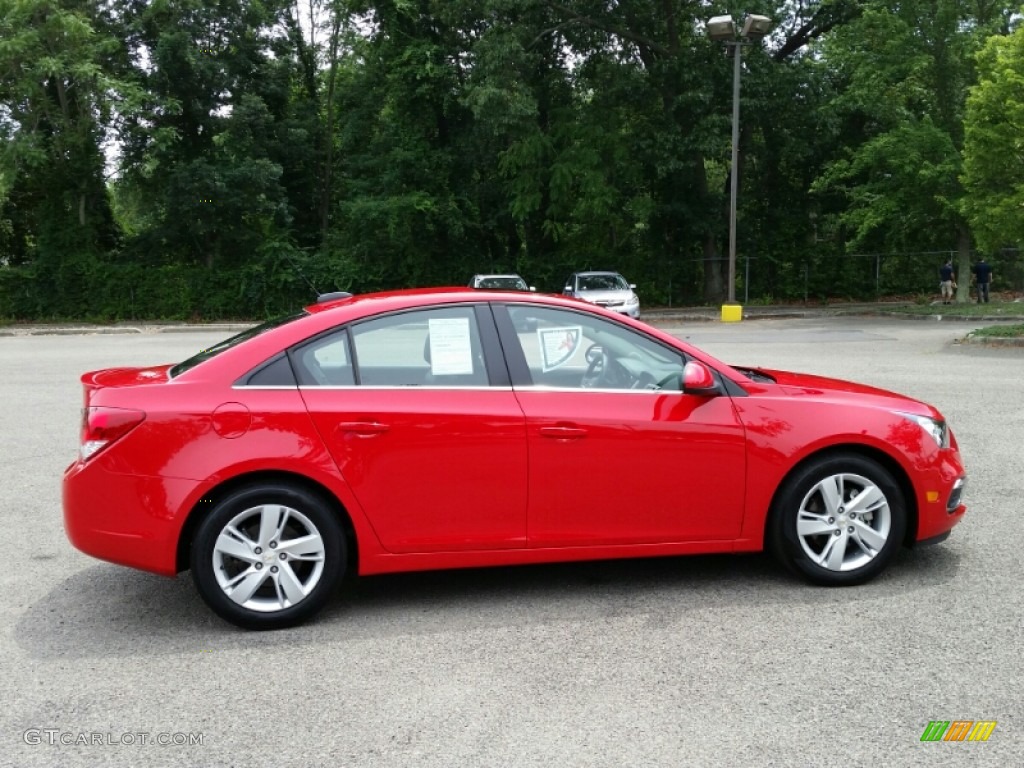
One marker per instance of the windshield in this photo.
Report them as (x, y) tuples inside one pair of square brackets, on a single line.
[(502, 283), (603, 283), (235, 340)]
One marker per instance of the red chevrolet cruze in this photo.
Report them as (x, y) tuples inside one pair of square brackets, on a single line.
[(432, 429)]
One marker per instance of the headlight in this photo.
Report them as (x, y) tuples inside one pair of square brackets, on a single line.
[(633, 299), (938, 430)]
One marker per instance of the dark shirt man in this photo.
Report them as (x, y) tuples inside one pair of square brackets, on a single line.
[(982, 276), (947, 282)]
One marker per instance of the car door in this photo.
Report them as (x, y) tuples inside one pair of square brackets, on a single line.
[(619, 459), (416, 409)]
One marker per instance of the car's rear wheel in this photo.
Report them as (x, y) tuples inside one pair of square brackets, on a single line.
[(839, 520), (268, 556)]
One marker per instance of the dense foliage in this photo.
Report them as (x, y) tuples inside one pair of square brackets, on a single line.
[(229, 158)]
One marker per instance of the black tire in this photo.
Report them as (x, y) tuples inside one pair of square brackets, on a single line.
[(836, 544), (285, 581)]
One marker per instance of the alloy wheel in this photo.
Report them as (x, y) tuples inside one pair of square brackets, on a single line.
[(843, 522), (268, 558)]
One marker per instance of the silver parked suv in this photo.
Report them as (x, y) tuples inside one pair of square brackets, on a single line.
[(606, 289)]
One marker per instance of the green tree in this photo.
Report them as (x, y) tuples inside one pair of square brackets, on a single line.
[(993, 169), (402, 214), (204, 165), (903, 74), (59, 92), (654, 102)]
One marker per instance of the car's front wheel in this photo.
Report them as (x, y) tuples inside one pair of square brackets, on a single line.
[(268, 556), (839, 520)]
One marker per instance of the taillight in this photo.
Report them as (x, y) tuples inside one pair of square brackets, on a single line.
[(101, 426)]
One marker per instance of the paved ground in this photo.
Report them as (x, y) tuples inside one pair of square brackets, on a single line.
[(708, 661), (658, 316)]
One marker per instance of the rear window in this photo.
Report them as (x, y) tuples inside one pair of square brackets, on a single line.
[(234, 341)]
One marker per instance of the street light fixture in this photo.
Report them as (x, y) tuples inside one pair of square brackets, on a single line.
[(755, 27), (722, 29)]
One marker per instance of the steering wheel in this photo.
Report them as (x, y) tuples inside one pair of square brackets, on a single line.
[(603, 372), (597, 367)]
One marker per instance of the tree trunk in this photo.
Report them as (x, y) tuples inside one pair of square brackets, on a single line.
[(714, 282), (328, 157), (963, 260)]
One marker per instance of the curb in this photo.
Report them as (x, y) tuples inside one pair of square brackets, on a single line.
[(713, 316), (993, 341), (660, 316), (99, 330), (939, 317)]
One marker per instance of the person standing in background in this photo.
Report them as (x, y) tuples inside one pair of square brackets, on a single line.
[(947, 281), (983, 277)]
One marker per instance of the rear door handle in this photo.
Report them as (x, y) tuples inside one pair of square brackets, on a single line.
[(363, 428), (563, 433)]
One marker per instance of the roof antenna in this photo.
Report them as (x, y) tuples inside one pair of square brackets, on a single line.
[(302, 274), (320, 297)]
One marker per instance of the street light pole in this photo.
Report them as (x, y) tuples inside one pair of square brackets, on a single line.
[(721, 28), (737, 48)]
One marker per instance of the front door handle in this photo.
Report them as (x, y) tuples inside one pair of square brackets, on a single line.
[(563, 433), (363, 428)]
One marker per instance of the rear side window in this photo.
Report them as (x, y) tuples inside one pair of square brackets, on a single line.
[(432, 347), (325, 362), (276, 373)]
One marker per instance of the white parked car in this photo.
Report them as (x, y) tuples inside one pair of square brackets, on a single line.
[(606, 289), (510, 282)]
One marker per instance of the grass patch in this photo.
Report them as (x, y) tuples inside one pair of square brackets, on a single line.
[(992, 309), (1001, 331)]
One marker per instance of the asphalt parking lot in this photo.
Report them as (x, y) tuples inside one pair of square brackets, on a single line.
[(704, 661)]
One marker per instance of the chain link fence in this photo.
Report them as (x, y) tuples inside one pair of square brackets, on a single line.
[(857, 277)]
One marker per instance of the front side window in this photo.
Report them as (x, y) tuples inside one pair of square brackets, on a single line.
[(563, 348)]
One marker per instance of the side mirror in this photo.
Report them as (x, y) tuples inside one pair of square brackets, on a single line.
[(567, 289), (698, 379), (632, 286), (533, 287)]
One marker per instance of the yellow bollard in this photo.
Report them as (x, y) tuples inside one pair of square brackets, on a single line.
[(732, 313)]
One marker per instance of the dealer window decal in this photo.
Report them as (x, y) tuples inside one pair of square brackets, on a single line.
[(558, 345)]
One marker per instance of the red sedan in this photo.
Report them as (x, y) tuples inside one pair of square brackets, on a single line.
[(433, 429)]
